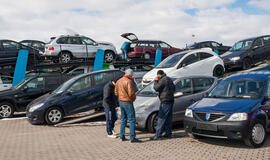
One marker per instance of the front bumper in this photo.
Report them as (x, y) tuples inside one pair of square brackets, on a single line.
[(232, 64), (36, 117), (222, 129)]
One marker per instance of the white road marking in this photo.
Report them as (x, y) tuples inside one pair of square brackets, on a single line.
[(9, 119)]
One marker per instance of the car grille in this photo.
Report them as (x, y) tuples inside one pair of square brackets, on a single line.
[(211, 133), (213, 116)]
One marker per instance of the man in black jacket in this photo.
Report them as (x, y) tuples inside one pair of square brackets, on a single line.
[(110, 103), (165, 87)]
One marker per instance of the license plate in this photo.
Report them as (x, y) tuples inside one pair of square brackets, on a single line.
[(209, 127)]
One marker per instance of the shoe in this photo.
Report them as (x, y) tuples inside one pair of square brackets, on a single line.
[(167, 137), (122, 139), (112, 136), (113, 132), (135, 140), (155, 138)]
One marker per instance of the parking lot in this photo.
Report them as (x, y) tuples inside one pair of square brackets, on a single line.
[(21, 140)]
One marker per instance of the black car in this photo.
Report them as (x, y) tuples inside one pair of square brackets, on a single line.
[(247, 52), (17, 98), (217, 47), (81, 93), (9, 52), (34, 44)]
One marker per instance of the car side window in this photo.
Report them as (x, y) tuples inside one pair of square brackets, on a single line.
[(204, 55), (202, 84), (10, 45), (75, 40), (205, 44), (37, 83), (266, 39), (154, 45), (52, 82), (258, 42), (37, 45), (78, 71), (214, 44), (87, 41), (184, 86), (143, 44), (62, 40), (191, 59), (26, 43), (164, 45), (102, 78), (81, 84)]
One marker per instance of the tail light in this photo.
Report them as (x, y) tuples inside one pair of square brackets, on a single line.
[(135, 49), (51, 49)]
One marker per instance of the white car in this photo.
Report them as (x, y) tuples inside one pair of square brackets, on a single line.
[(84, 69), (5, 82), (187, 63)]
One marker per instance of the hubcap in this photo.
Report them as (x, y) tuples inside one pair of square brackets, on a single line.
[(146, 56), (55, 115), (258, 133), (65, 58), (219, 71), (109, 57), (5, 111)]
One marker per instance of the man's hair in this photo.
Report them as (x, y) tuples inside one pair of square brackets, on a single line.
[(160, 72), (129, 72)]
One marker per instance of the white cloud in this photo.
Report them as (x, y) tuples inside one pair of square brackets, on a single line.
[(149, 19), (263, 4)]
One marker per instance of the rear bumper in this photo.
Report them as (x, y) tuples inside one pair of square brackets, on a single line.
[(224, 129)]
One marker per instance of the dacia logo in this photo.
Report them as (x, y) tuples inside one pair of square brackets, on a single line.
[(207, 116)]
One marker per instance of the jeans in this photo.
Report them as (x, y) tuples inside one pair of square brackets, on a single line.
[(127, 112), (124, 54), (110, 114), (164, 122)]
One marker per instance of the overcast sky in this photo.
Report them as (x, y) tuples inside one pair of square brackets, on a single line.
[(174, 21)]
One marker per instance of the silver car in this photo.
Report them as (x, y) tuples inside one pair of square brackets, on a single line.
[(188, 90), (66, 48)]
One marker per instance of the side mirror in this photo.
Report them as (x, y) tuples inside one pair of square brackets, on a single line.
[(183, 65), (69, 93), (178, 94), (255, 47), (25, 88), (95, 43)]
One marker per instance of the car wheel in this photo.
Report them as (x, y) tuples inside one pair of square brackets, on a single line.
[(256, 135), (152, 123), (146, 56), (109, 56), (6, 110), (218, 71), (247, 63), (54, 115), (194, 136), (65, 57)]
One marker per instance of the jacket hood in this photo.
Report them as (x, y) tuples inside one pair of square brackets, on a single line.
[(224, 105), (232, 54)]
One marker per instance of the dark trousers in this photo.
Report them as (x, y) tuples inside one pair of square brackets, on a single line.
[(110, 114), (127, 113), (164, 122)]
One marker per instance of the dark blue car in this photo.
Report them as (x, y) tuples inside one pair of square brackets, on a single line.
[(79, 94), (237, 108)]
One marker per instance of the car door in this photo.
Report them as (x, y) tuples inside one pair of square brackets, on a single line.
[(257, 50), (164, 47), (77, 47), (206, 63), (91, 47), (31, 90), (79, 96), (182, 102), (190, 65), (201, 87)]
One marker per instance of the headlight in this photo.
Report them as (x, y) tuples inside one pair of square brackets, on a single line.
[(238, 117), (33, 108), (188, 113), (235, 58)]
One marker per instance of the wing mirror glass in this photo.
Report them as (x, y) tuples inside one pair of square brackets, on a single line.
[(255, 47), (178, 94)]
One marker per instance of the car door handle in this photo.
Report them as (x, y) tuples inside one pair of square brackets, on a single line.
[(5, 86)]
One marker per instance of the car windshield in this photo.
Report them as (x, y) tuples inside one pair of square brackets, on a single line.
[(20, 84), (148, 90), (240, 89), (170, 61), (242, 45), (63, 86)]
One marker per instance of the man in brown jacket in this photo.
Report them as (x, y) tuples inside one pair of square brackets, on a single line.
[(124, 90)]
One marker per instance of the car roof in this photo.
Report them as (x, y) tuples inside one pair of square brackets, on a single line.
[(252, 38), (194, 50), (87, 74), (259, 75), (193, 76)]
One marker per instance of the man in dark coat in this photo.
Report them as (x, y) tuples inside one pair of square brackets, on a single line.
[(166, 88), (110, 103)]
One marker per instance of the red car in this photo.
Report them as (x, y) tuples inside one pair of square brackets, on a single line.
[(146, 49)]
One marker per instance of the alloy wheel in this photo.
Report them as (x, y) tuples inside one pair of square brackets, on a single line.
[(65, 58), (109, 57), (5, 111), (258, 133), (55, 116), (146, 56)]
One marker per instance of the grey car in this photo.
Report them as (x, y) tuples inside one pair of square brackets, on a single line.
[(66, 48), (188, 90)]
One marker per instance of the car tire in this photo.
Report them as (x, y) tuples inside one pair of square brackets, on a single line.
[(256, 134), (6, 110), (146, 56), (54, 115), (194, 136), (109, 56), (152, 123), (247, 63), (65, 57), (218, 71)]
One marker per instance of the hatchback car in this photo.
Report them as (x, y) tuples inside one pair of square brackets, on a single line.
[(67, 48), (34, 44), (5, 82), (187, 91), (146, 49), (17, 98), (215, 46), (79, 94), (247, 52), (237, 108), (194, 62)]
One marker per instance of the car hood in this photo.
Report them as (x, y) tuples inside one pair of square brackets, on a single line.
[(230, 54), (47, 98), (104, 43), (153, 73), (8, 92), (224, 105)]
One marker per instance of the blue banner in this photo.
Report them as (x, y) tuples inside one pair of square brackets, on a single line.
[(20, 68), (98, 64), (158, 57)]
